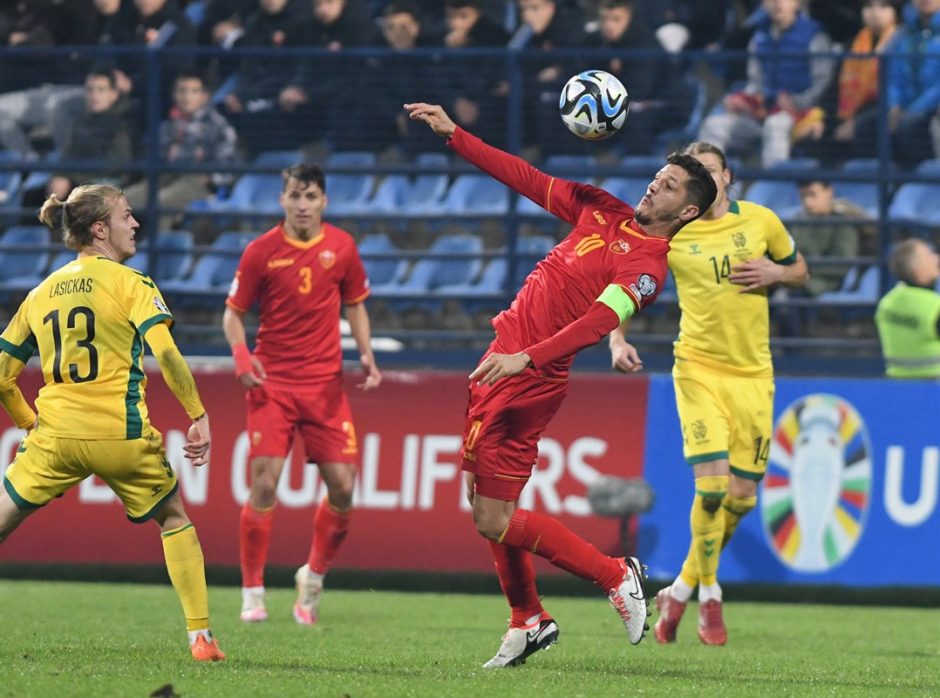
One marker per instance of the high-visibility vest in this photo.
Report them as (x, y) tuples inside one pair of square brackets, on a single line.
[(907, 326)]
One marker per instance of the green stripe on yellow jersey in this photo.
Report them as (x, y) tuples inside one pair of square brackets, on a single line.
[(87, 321), (721, 327)]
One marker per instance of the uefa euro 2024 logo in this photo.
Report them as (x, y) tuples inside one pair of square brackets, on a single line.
[(818, 485)]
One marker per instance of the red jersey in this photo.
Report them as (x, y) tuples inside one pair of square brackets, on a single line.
[(606, 246), (300, 287)]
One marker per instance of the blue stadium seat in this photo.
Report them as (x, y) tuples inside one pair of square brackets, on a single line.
[(492, 282), (428, 274), (252, 193), (628, 189), (476, 194), (861, 194), (349, 193), (918, 202), (777, 195), (10, 182), (140, 261), (642, 166), (214, 271), (279, 158), (382, 271), (428, 190), (23, 269), (173, 252), (580, 168), (60, 259), (689, 130), (530, 250), (858, 286)]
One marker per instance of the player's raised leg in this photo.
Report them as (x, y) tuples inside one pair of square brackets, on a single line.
[(186, 567), (255, 523), (330, 526), (622, 579)]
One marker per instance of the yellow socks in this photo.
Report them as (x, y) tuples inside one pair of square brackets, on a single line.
[(707, 522), (187, 571), (735, 509)]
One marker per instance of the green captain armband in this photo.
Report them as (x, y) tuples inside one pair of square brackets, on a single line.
[(618, 300)]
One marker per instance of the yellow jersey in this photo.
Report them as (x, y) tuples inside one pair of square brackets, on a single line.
[(720, 326), (87, 320)]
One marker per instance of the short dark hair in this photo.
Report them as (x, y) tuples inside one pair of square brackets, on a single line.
[(701, 188), (402, 7), (614, 4), (105, 73), (306, 174), (191, 74), (810, 181)]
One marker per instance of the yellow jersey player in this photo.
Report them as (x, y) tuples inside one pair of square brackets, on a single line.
[(723, 264), (88, 321)]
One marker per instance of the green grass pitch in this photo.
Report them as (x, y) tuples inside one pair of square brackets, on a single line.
[(78, 639)]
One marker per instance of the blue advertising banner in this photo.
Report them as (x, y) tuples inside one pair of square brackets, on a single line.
[(850, 496)]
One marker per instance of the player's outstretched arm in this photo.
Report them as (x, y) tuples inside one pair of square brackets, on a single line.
[(359, 325), (559, 197), (248, 368), (623, 355), (11, 397), (179, 379)]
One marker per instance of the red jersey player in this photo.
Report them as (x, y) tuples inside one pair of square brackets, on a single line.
[(611, 264), (300, 272)]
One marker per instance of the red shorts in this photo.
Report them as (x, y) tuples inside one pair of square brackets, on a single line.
[(321, 414), (502, 430)]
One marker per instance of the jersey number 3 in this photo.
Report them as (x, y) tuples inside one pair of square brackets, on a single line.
[(84, 344)]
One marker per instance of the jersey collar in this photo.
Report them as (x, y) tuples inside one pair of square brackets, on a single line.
[(316, 240), (631, 227)]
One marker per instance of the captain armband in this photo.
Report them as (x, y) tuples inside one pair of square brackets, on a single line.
[(618, 300)]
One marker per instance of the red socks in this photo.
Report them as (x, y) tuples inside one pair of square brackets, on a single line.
[(329, 531), (255, 535), (549, 538), (517, 579)]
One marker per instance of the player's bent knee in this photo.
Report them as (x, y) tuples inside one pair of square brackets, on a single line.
[(263, 492), (711, 504)]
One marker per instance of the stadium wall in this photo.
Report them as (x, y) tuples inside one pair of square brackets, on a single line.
[(850, 497)]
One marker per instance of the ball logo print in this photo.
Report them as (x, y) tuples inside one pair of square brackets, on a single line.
[(817, 489), (594, 105)]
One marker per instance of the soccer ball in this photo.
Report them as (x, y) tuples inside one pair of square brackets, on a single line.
[(594, 105)]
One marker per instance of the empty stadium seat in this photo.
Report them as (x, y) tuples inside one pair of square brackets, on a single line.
[(530, 250), (173, 255), (858, 286), (863, 194), (382, 271), (279, 158), (628, 189), (492, 282), (428, 274), (349, 193), (782, 195), (10, 182), (918, 202), (580, 168), (23, 269), (214, 271), (476, 194)]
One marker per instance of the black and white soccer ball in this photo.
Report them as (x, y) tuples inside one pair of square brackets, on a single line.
[(594, 105)]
